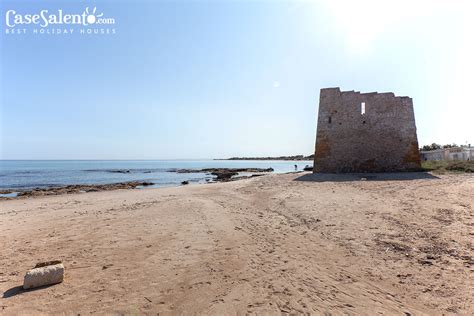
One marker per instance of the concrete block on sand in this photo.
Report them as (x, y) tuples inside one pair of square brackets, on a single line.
[(44, 273)]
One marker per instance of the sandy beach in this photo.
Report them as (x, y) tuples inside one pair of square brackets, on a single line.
[(291, 243)]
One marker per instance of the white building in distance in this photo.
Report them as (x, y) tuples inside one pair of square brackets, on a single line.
[(455, 153)]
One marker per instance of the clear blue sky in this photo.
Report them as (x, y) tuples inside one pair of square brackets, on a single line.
[(209, 79)]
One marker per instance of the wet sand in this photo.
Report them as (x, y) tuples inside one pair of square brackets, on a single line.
[(291, 243)]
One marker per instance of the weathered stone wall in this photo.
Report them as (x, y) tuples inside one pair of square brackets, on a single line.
[(382, 139)]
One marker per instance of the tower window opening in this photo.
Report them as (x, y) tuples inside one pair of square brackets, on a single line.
[(362, 108)]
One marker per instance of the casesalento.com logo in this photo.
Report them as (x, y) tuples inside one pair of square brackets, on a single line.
[(89, 22)]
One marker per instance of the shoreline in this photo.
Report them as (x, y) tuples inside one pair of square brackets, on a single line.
[(19, 176), (221, 175)]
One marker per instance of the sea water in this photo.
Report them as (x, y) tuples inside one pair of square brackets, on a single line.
[(27, 174)]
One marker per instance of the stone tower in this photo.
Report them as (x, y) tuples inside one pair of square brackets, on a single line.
[(365, 132)]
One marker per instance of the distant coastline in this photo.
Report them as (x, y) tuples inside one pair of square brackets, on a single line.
[(296, 157)]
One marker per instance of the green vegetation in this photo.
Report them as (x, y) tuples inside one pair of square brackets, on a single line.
[(444, 166)]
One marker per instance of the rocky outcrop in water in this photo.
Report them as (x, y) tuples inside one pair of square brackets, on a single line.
[(222, 170), (81, 188), (225, 174)]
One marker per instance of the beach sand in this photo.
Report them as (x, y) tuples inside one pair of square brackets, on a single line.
[(276, 243)]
